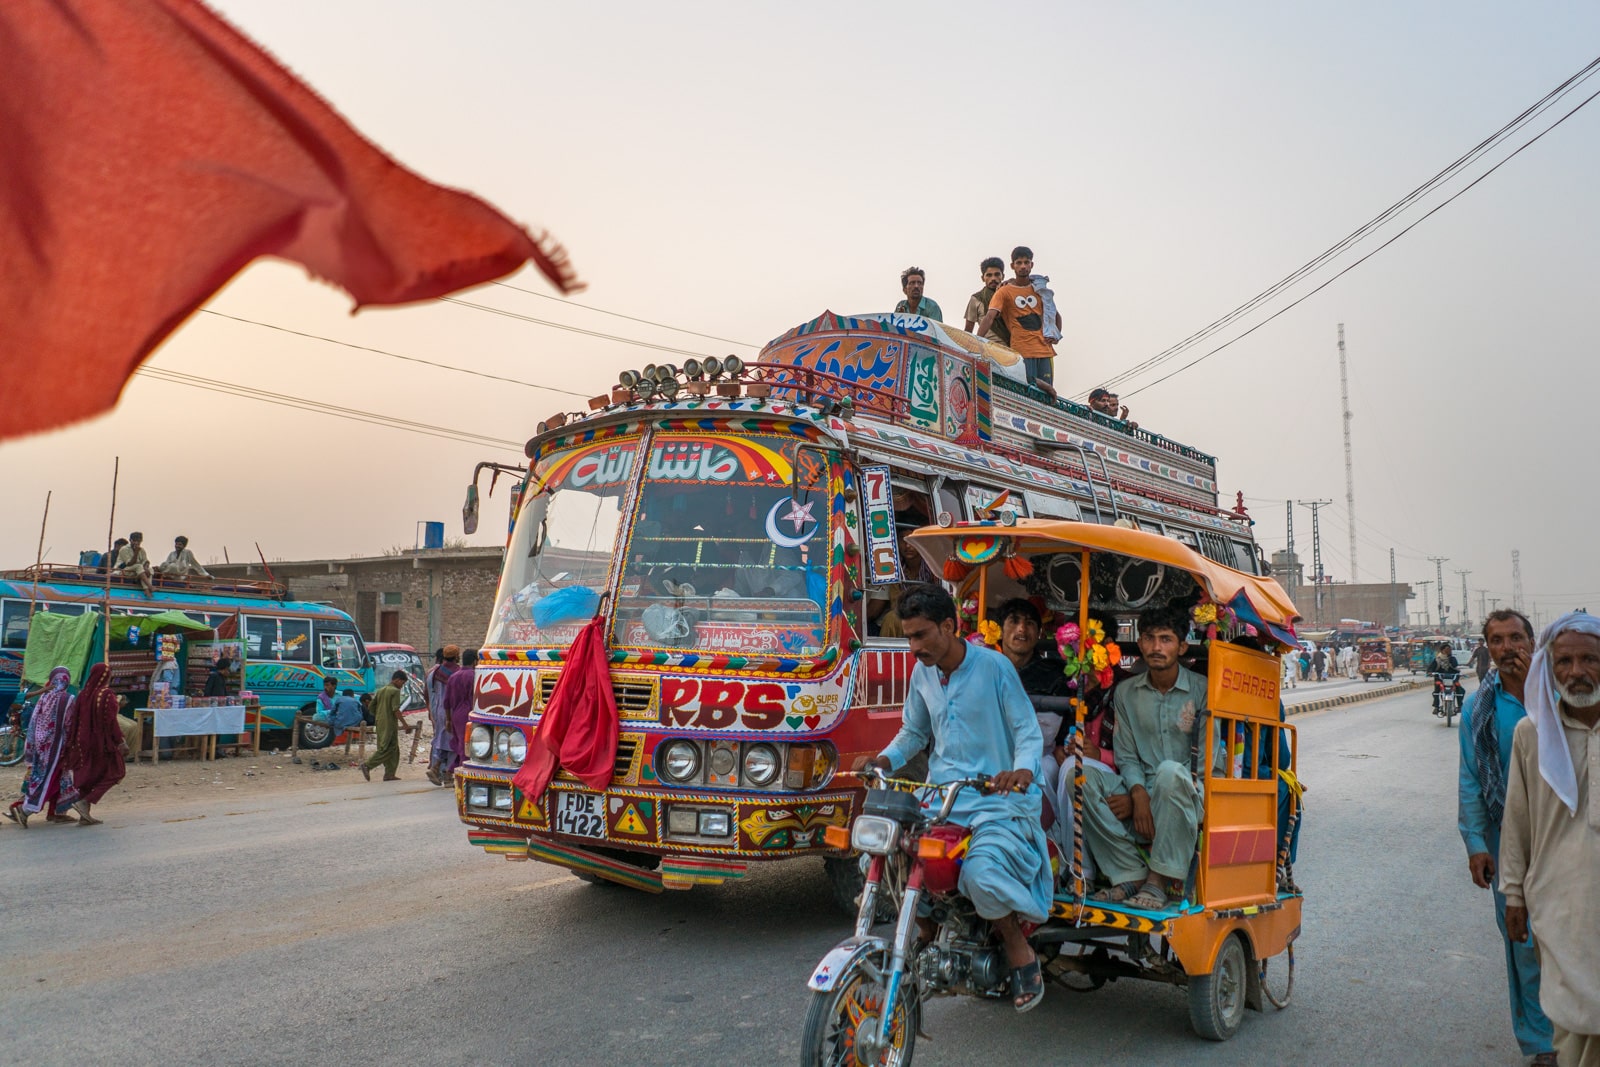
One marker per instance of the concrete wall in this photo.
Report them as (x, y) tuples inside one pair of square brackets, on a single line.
[(1374, 602), (442, 597)]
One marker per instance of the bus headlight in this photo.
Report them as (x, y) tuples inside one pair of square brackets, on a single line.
[(517, 750), (679, 761), (479, 742), (761, 765), (477, 796), (874, 834)]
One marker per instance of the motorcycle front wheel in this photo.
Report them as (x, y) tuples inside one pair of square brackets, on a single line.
[(842, 1024)]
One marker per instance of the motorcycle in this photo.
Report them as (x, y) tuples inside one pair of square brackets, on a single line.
[(1448, 692), (867, 992)]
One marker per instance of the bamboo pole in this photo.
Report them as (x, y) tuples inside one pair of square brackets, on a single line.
[(111, 530), (38, 558)]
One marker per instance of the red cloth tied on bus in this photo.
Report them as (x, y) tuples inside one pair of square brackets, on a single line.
[(579, 727), (148, 152)]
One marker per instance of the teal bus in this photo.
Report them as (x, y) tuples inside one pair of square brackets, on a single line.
[(283, 648)]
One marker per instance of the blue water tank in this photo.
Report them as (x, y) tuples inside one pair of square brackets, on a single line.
[(433, 535)]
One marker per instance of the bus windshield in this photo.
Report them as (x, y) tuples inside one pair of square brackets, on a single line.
[(718, 557)]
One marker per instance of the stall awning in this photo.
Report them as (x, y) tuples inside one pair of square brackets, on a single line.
[(164, 622)]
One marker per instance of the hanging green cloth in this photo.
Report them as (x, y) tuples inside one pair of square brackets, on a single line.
[(57, 640), (141, 627)]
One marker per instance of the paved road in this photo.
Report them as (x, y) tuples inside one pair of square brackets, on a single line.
[(352, 925)]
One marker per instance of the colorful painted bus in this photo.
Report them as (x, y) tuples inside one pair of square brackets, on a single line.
[(288, 646), (740, 528)]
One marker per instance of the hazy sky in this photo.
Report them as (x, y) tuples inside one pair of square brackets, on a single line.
[(735, 169)]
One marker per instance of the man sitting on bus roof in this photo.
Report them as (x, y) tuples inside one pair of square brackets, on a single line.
[(968, 702), (180, 562), (1157, 802), (133, 562)]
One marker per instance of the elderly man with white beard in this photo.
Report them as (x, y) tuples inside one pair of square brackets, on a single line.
[(1550, 838)]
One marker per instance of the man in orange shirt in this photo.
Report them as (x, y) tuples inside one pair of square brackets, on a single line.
[(1022, 309)]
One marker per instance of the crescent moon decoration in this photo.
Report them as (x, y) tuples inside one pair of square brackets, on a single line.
[(805, 524)]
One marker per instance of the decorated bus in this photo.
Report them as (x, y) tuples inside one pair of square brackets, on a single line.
[(738, 528)]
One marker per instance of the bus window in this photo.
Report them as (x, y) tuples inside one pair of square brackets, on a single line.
[(339, 650), (260, 638), (912, 509), (296, 640), (14, 624)]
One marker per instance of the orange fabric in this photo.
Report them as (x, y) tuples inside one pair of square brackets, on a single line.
[(150, 152), (1023, 313), (580, 724)]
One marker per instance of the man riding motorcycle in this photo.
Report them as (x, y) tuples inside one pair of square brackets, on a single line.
[(1445, 672), (968, 701)]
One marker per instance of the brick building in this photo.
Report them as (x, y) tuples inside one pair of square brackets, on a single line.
[(1376, 602), (426, 598)]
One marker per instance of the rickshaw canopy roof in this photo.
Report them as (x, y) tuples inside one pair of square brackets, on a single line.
[(1222, 583)]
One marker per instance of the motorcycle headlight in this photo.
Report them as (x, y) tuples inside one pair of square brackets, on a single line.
[(479, 742), (874, 834), (679, 761), (761, 765)]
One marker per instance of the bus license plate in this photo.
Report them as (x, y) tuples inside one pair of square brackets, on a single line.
[(580, 814)]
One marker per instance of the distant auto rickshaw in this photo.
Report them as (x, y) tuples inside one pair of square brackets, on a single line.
[(1240, 906), (1376, 658)]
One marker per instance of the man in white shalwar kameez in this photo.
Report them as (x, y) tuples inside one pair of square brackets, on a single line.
[(1550, 836)]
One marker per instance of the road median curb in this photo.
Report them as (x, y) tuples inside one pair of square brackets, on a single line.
[(1354, 698)]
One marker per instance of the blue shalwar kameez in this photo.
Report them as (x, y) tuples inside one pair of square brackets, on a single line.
[(981, 723), (1528, 1021)]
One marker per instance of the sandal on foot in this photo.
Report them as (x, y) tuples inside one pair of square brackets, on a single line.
[(1027, 986), (1150, 897), (366, 772), (1116, 894)]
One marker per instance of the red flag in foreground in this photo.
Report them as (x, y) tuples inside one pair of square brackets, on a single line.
[(148, 152), (580, 724)]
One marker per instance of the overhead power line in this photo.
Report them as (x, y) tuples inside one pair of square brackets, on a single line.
[(617, 314), (318, 407), (573, 329), (1366, 230), (394, 355)]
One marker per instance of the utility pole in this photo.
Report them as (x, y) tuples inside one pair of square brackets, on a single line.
[(1427, 615), (1466, 609), (1494, 604), (1349, 468), (1294, 569), (1438, 572), (1516, 578), (1316, 548), (1394, 594)]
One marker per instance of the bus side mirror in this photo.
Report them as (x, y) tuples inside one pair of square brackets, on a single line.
[(821, 470), (469, 511)]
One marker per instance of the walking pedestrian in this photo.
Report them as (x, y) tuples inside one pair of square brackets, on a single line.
[(45, 745), (1319, 663), (1550, 837), (1305, 665), (386, 717), (96, 752), (458, 703), (447, 663), (1489, 719), (1480, 661)]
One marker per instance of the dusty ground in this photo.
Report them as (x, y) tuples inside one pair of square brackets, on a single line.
[(181, 780)]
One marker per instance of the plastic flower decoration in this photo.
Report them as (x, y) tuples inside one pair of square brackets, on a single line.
[(1205, 614), (1067, 640), (991, 632)]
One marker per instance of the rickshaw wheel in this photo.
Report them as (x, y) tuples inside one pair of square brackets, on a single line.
[(1279, 1002), (841, 1024), (1217, 1000)]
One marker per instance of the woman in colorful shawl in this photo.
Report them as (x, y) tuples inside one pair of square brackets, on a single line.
[(47, 742), (96, 751)]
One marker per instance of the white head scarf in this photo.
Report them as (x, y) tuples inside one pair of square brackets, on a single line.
[(1544, 708)]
